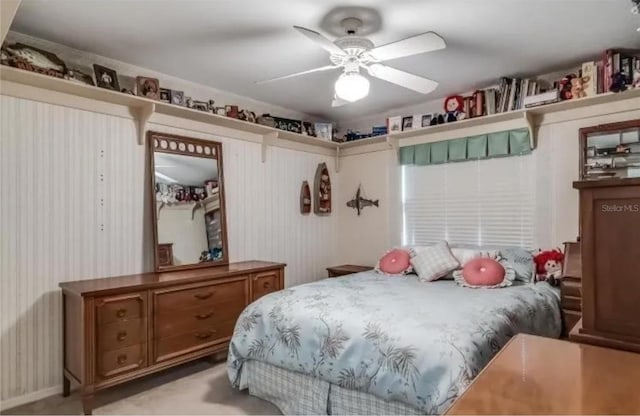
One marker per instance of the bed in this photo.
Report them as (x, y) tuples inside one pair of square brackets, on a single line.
[(368, 343)]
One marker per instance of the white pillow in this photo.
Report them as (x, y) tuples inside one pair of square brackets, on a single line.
[(463, 255), (433, 262)]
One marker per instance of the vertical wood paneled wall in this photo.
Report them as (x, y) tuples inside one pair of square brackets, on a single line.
[(74, 205)]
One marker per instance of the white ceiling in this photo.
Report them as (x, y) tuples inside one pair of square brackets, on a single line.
[(229, 45), (184, 169)]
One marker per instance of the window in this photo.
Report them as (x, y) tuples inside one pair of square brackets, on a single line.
[(484, 202)]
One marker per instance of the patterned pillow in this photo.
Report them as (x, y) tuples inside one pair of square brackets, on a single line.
[(433, 262), (485, 273), (463, 255), (395, 262)]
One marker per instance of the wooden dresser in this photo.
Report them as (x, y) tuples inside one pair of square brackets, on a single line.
[(120, 328), (571, 287), (543, 376), (610, 245)]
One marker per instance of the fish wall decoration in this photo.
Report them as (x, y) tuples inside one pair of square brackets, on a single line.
[(359, 202)]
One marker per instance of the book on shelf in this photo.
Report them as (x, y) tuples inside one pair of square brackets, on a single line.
[(590, 79)]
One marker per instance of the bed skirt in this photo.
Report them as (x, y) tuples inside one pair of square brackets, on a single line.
[(296, 393)]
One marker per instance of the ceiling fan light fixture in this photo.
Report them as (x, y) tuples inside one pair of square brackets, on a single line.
[(352, 86)]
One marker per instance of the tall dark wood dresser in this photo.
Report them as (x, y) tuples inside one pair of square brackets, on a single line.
[(610, 245)]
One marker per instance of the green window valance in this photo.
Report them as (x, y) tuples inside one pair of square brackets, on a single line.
[(499, 144)]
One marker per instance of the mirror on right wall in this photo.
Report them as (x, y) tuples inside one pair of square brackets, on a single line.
[(610, 151)]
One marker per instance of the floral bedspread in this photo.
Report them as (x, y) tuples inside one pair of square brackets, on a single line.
[(394, 337)]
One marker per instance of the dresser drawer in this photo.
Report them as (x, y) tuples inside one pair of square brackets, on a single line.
[(115, 362), (122, 334), (181, 297), (120, 308), (571, 287), (264, 283), (170, 347), (201, 317), (571, 303)]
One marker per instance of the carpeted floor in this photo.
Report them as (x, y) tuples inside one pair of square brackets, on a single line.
[(196, 388)]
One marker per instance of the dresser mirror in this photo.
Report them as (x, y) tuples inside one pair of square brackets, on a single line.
[(188, 202)]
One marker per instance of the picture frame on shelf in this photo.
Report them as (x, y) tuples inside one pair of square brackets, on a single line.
[(106, 77), (231, 111), (148, 87), (177, 97), (165, 95), (324, 130), (394, 124), (425, 120), (407, 123)]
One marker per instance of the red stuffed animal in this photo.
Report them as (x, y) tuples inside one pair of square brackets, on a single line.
[(549, 266)]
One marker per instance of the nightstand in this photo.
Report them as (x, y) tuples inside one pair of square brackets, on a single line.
[(345, 269), (571, 287)]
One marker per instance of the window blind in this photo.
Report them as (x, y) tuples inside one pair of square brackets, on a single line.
[(482, 202)]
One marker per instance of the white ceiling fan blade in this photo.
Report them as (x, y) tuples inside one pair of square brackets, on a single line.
[(325, 43), (404, 79), (310, 71), (338, 102), (414, 45)]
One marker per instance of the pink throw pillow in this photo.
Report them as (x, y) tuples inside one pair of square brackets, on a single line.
[(483, 271), (396, 262)]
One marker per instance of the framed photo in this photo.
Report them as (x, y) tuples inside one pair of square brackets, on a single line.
[(231, 111), (324, 130), (106, 77), (426, 120), (165, 95), (201, 106), (148, 87), (394, 124), (407, 123), (308, 128), (177, 97)]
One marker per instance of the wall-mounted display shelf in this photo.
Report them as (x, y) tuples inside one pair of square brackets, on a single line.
[(90, 98), (143, 108)]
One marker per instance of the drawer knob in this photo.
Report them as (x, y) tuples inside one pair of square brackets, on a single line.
[(204, 315), (202, 296), (122, 358), (122, 335), (120, 313), (205, 335)]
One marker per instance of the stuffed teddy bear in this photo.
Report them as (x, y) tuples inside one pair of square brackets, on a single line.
[(549, 266), (577, 87)]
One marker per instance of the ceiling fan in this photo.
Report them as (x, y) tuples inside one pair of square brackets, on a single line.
[(351, 53)]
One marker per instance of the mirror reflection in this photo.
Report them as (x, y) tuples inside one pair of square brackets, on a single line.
[(188, 209)]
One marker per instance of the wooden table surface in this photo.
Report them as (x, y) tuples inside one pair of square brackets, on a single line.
[(535, 375)]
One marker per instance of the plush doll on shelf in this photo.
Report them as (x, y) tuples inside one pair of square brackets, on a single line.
[(454, 108), (549, 266), (565, 87)]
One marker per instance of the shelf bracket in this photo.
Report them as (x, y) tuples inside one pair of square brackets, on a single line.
[(144, 114), (528, 119), (268, 140), (337, 159)]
